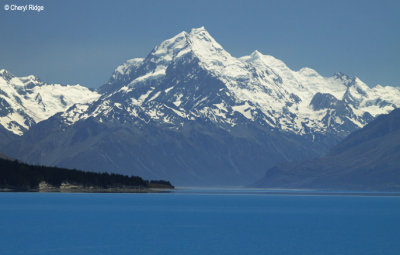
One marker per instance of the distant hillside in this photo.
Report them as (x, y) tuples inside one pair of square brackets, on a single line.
[(3, 156), (18, 176), (189, 112), (368, 159), (5, 138)]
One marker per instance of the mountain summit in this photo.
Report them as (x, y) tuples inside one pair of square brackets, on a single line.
[(194, 77), (191, 113)]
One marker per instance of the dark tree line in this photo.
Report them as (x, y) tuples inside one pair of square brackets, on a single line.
[(14, 174)]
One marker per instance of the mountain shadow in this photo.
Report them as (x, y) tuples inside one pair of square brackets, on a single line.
[(368, 159)]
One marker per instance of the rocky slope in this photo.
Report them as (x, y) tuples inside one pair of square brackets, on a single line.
[(368, 159), (191, 113)]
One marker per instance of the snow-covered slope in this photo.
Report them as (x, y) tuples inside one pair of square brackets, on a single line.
[(25, 101), (191, 76), (191, 113)]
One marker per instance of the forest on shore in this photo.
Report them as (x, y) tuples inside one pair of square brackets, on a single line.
[(18, 176)]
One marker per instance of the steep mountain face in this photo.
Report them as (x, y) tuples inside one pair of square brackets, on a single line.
[(367, 159), (198, 153), (191, 113), (25, 101), (190, 76)]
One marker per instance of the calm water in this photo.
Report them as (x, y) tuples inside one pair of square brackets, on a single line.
[(198, 222)]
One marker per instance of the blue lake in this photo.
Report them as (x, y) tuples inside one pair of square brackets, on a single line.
[(199, 222)]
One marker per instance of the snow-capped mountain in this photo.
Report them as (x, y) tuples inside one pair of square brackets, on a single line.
[(191, 113), (191, 76), (25, 101)]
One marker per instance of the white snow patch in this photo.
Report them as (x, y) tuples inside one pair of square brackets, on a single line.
[(168, 89), (244, 109), (178, 101), (155, 96)]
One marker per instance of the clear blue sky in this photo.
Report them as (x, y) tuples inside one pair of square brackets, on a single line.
[(82, 42)]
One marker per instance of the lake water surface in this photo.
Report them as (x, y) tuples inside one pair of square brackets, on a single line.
[(207, 221)]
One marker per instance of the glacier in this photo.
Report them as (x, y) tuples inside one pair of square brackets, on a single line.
[(259, 87), (26, 101), (192, 113)]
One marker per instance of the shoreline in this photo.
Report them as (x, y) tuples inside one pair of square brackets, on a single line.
[(205, 192), (71, 188), (97, 190)]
